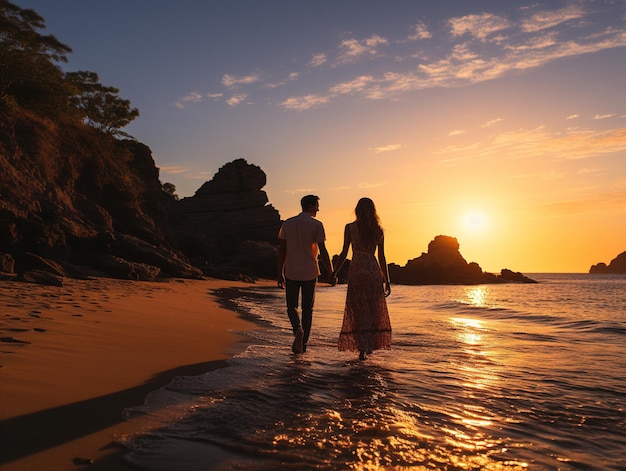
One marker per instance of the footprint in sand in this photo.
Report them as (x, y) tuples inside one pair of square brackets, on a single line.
[(12, 340)]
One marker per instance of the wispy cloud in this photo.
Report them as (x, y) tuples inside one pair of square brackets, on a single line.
[(305, 102), (420, 31), (172, 169), (603, 116), (232, 81), (573, 116), (456, 132), (318, 60), (387, 148), (541, 143), (549, 19), (236, 99), (353, 49), (478, 26), (193, 97), (367, 185)]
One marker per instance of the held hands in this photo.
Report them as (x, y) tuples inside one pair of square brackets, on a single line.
[(281, 281), (387, 288)]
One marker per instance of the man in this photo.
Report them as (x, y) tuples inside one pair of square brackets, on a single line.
[(301, 239)]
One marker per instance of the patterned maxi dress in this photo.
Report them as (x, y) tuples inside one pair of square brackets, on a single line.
[(366, 325)]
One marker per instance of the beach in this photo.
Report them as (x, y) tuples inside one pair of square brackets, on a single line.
[(72, 358)]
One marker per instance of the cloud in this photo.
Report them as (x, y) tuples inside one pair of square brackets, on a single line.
[(596, 203), (236, 99), (503, 47), (318, 60), (353, 49), (366, 185), (479, 26), (603, 116), (573, 116), (304, 102), (548, 19), (388, 148), (215, 95), (420, 31), (193, 97), (173, 169), (300, 191), (456, 132), (491, 123), (572, 144), (231, 81)]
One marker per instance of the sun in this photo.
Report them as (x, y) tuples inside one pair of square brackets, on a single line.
[(474, 222)]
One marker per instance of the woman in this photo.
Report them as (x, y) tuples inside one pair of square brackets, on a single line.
[(366, 325)]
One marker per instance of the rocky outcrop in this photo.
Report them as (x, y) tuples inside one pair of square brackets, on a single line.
[(444, 264), (616, 267), (79, 203), (216, 225), (233, 205)]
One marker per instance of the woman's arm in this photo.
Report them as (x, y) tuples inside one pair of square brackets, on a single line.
[(384, 268), (344, 252)]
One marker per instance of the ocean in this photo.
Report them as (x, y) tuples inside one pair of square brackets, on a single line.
[(488, 377)]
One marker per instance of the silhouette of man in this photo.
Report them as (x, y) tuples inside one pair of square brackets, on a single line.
[(301, 240)]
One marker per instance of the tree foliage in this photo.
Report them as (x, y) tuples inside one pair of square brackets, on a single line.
[(100, 105), (31, 76)]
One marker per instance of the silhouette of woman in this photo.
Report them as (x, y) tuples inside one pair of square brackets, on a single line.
[(366, 326)]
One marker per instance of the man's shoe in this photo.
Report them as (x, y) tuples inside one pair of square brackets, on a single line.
[(297, 342)]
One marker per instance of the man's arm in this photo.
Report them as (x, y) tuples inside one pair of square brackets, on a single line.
[(325, 258), (282, 255)]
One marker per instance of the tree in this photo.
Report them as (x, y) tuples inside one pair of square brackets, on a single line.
[(101, 107), (170, 189), (30, 75)]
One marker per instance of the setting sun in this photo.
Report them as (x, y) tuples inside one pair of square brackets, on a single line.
[(474, 222)]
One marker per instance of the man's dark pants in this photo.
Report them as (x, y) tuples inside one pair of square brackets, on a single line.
[(292, 291)]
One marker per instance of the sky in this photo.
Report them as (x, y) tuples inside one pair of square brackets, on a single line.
[(502, 124)]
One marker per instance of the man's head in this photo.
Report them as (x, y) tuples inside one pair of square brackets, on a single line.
[(309, 203)]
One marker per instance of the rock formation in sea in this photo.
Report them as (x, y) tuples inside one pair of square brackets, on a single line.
[(617, 266), (444, 264)]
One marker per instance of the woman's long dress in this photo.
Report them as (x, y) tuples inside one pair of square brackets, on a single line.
[(366, 325)]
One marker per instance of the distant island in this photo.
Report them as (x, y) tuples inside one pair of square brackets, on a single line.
[(617, 266)]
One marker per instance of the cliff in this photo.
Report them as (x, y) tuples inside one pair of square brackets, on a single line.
[(617, 266), (78, 202)]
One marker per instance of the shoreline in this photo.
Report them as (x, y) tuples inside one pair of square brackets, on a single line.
[(73, 358)]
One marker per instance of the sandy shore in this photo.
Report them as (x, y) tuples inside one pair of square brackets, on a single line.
[(72, 358)]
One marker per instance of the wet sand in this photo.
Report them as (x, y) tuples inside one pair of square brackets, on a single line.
[(73, 358)]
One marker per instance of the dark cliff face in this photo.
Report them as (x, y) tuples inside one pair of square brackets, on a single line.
[(616, 267), (73, 195)]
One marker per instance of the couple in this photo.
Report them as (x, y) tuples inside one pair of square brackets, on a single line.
[(366, 325)]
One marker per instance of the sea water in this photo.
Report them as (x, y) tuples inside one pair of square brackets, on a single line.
[(488, 377)]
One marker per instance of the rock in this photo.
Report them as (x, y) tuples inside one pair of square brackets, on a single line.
[(40, 277), (508, 275), (233, 206), (616, 267), (117, 267), (7, 264), (444, 264), (169, 263), (30, 261)]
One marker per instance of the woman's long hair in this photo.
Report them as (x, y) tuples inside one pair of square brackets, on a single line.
[(367, 222)]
